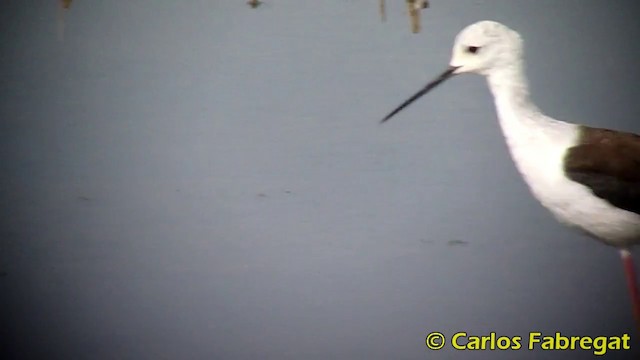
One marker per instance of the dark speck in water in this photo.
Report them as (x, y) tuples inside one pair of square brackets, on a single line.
[(457, 243)]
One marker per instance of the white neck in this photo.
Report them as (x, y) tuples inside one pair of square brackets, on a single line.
[(510, 91), (521, 121), (537, 143)]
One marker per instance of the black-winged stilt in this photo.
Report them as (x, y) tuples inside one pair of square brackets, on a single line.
[(589, 178)]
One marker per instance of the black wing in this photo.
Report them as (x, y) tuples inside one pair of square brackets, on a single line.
[(608, 164)]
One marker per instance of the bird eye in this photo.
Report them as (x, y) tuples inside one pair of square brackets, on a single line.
[(473, 49)]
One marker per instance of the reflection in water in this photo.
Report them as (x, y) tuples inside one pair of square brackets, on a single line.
[(415, 6), (254, 3), (64, 6)]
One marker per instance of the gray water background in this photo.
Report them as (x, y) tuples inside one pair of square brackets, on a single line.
[(202, 180)]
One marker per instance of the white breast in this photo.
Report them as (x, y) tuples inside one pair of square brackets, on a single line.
[(538, 145)]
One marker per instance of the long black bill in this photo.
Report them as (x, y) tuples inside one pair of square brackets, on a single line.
[(437, 81)]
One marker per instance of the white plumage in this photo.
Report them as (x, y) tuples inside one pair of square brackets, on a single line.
[(588, 178)]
